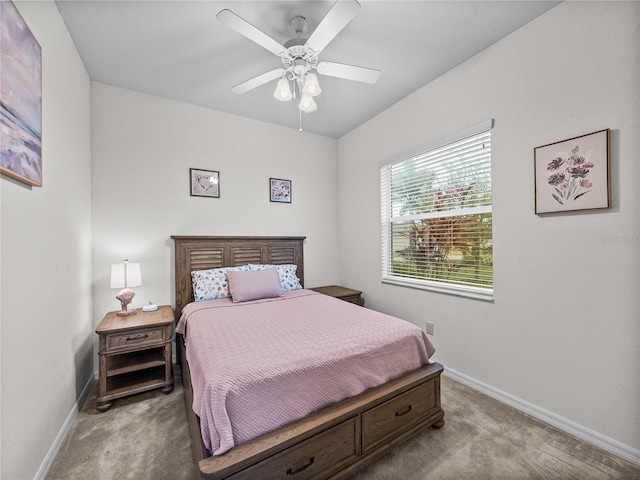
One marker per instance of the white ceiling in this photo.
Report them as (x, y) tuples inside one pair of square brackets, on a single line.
[(178, 50)]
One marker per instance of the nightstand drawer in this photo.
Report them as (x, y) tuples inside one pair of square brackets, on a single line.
[(140, 338), (352, 299)]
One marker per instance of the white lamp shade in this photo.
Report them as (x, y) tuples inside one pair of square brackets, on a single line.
[(125, 275), (311, 86), (283, 90), (307, 104)]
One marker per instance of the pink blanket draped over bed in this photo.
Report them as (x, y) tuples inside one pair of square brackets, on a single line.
[(256, 366)]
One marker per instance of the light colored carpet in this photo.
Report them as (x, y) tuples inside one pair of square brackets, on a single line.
[(141, 437), (146, 437)]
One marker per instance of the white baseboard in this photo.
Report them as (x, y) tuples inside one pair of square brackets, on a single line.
[(605, 443), (57, 443)]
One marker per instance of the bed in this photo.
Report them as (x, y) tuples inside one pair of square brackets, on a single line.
[(332, 442)]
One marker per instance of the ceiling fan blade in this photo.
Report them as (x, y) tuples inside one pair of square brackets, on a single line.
[(350, 72), (243, 27), (334, 21), (257, 81)]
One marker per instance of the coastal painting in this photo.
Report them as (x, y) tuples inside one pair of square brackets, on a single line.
[(20, 99)]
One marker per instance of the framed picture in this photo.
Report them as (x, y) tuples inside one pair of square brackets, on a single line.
[(280, 190), (204, 183), (573, 174), (20, 99)]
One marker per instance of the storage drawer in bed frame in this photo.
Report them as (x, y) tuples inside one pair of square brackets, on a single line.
[(316, 457)]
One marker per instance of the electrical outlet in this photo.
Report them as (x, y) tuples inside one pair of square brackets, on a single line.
[(429, 328)]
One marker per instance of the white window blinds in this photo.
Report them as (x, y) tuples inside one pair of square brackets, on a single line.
[(436, 217)]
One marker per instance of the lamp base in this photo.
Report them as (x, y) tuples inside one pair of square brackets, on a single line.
[(125, 296)]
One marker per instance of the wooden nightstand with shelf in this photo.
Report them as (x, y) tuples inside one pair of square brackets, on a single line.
[(134, 354), (343, 293)]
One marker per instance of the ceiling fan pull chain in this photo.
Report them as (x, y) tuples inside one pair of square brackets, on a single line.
[(300, 117)]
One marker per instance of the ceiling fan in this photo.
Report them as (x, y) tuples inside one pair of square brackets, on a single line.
[(300, 56)]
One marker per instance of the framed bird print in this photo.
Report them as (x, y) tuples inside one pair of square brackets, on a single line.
[(204, 183)]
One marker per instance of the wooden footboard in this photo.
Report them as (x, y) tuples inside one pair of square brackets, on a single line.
[(333, 443)]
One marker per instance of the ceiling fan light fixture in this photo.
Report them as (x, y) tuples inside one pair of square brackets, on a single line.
[(307, 104), (283, 90), (311, 85)]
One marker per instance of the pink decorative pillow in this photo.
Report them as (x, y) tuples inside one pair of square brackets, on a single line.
[(253, 285)]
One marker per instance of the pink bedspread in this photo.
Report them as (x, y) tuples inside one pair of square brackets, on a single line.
[(258, 365)]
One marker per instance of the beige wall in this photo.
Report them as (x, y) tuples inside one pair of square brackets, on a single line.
[(563, 331), (143, 147), (47, 334)]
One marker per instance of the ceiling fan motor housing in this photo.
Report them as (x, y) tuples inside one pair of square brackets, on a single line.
[(298, 59)]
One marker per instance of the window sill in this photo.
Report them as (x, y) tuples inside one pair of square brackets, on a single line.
[(459, 290)]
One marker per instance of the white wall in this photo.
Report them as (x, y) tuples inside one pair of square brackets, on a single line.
[(47, 334), (143, 147), (563, 331)]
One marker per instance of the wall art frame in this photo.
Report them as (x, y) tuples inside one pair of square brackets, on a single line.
[(204, 183), (279, 190), (20, 99), (573, 174)]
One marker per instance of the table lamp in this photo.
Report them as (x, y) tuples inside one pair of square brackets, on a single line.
[(125, 275)]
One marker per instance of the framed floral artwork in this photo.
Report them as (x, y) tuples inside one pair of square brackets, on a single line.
[(20, 99), (280, 190), (573, 174), (204, 183)]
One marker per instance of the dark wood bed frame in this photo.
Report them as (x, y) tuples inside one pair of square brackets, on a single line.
[(333, 443)]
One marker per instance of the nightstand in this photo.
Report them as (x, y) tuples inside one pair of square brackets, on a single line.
[(343, 293), (134, 354)]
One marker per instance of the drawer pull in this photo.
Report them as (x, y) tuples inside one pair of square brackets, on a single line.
[(139, 337), (403, 412), (299, 469)]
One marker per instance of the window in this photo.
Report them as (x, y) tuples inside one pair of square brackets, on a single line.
[(436, 216)]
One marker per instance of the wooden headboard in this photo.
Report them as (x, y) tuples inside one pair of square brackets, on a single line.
[(202, 253)]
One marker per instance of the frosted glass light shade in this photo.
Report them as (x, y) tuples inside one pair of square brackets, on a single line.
[(307, 104), (283, 90), (125, 275), (311, 86)]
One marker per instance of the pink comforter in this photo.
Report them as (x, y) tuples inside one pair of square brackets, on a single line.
[(258, 365)]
